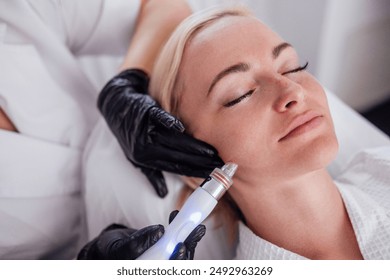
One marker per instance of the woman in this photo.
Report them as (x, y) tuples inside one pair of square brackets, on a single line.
[(238, 86)]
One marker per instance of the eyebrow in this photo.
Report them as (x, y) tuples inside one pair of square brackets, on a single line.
[(236, 68), (279, 48), (244, 67)]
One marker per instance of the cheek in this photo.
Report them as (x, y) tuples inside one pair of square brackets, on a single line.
[(315, 155), (241, 140), (235, 146), (320, 101), (315, 91)]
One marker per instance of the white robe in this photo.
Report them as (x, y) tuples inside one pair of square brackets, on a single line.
[(365, 189), (52, 103)]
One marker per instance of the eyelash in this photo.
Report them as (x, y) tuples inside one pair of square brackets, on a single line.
[(249, 93), (238, 100), (301, 68)]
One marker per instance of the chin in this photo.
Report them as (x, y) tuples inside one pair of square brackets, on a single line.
[(316, 155), (322, 152)]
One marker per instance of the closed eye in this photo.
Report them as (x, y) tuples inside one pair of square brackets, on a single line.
[(239, 99), (301, 68)]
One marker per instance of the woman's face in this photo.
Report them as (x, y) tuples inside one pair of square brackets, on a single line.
[(245, 93)]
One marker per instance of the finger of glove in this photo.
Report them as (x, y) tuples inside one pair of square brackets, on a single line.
[(156, 178), (159, 116), (196, 235), (140, 241), (173, 215), (89, 252), (182, 142), (183, 153), (100, 247), (165, 158), (192, 240), (150, 234), (172, 155), (180, 252), (191, 166), (118, 226)]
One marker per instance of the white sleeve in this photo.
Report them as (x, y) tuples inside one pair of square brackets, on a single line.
[(99, 27)]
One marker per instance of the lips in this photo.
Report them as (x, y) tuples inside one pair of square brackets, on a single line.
[(301, 123)]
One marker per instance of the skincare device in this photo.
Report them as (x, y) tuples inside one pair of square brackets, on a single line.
[(196, 208)]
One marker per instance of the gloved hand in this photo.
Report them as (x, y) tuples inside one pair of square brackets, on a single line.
[(152, 139), (118, 242)]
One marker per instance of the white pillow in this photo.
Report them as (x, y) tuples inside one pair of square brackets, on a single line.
[(354, 133)]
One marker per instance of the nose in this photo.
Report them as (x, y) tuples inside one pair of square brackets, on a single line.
[(290, 95)]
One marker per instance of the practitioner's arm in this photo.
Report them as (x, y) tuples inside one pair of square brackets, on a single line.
[(152, 139)]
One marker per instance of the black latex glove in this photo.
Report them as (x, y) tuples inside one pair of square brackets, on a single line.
[(152, 139), (118, 242)]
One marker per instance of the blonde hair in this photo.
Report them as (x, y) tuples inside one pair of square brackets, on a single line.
[(165, 88), (164, 85)]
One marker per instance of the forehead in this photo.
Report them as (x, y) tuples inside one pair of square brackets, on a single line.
[(223, 43), (230, 27)]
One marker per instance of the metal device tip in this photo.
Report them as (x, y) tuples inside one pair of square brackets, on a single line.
[(229, 169)]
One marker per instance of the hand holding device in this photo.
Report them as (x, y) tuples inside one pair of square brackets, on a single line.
[(118, 242), (196, 208)]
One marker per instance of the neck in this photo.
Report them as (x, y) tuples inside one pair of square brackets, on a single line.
[(305, 214)]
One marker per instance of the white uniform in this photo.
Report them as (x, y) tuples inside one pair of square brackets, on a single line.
[(365, 190), (52, 103)]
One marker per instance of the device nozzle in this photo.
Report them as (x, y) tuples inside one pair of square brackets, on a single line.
[(229, 169), (222, 180)]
